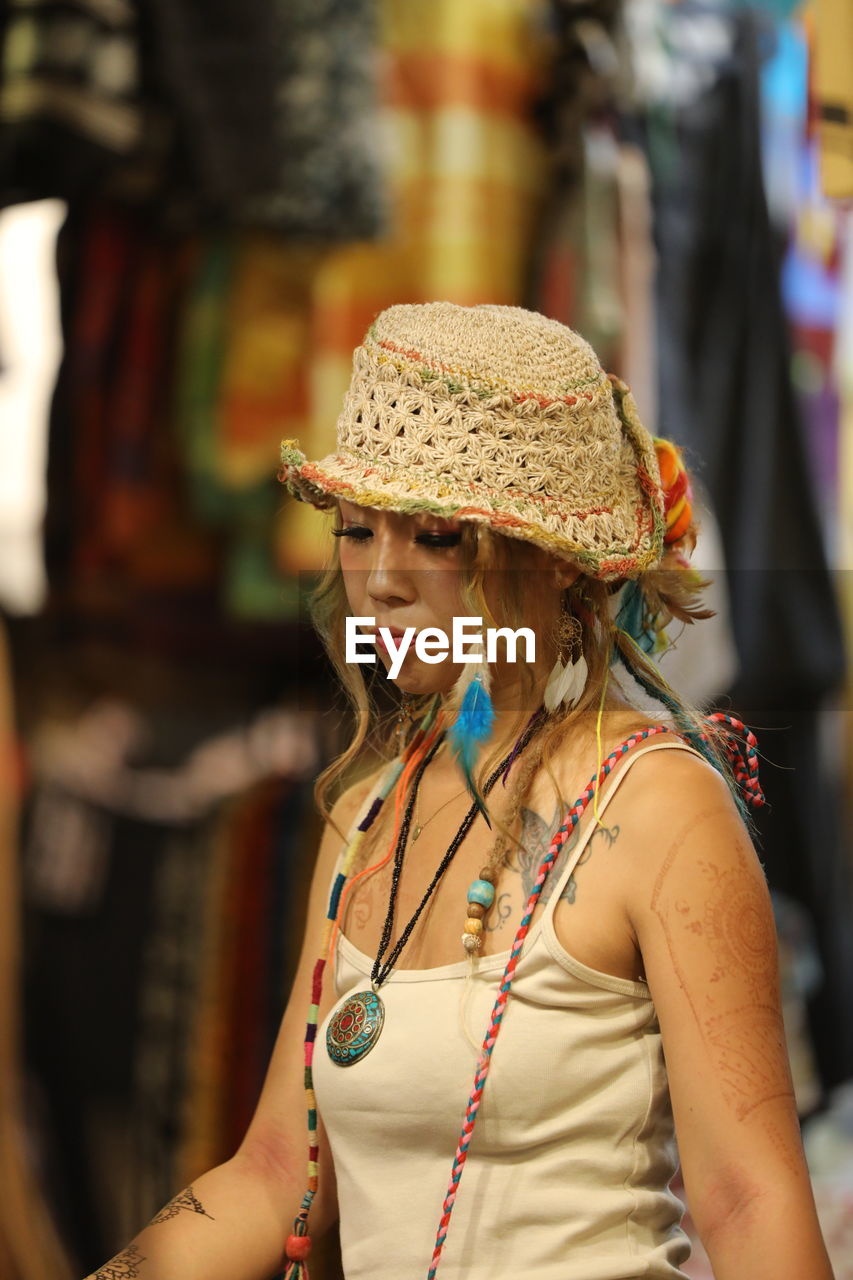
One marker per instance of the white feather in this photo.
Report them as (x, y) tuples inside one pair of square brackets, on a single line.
[(566, 683)]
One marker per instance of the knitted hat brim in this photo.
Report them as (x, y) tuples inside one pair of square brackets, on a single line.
[(543, 520)]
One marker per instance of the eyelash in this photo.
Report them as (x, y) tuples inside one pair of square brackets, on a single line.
[(437, 541)]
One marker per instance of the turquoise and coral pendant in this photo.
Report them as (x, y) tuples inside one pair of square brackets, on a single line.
[(355, 1028)]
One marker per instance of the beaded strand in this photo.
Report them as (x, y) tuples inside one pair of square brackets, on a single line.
[(379, 974), (298, 1244)]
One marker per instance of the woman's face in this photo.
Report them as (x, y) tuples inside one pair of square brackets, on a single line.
[(403, 571), (407, 571)]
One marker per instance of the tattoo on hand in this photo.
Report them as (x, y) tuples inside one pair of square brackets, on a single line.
[(185, 1200), (124, 1266)]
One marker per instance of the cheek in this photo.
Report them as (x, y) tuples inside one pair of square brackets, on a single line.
[(353, 581), (441, 589)]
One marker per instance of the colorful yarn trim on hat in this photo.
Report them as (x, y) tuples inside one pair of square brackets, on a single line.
[(500, 416), (677, 493)]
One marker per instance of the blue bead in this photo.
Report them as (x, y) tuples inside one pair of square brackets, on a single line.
[(481, 891)]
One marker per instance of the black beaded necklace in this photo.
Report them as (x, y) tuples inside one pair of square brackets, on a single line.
[(355, 1028)]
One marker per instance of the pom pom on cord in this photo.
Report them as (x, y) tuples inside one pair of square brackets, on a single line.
[(473, 724)]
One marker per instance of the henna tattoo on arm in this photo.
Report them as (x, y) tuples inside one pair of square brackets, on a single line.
[(124, 1266), (187, 1200), (732, 921)]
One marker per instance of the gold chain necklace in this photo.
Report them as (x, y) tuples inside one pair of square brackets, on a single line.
[(419, 826)]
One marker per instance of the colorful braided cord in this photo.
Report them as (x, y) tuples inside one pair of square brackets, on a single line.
[(297, 1268), (573, 818), (743, 759)]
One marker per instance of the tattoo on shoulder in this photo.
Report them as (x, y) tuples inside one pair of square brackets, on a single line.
[(536, 837), (124, 1266), (187, 1200)]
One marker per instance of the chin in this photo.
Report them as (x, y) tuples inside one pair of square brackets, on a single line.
[(420, 678)]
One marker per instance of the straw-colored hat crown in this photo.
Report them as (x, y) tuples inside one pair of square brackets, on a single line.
[(499, 415)]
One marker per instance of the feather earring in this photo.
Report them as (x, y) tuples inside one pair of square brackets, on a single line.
[(472, 726), (567, 681)]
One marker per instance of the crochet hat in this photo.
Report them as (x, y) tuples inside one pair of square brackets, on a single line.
[(498, 415)]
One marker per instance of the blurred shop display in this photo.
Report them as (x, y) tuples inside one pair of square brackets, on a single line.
[(230, 193), (29, 1246), (163, 909)]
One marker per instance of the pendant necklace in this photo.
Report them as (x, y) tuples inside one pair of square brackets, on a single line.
[(355, 1028), (419, 826)]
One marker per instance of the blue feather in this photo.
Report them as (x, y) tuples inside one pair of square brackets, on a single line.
[(469, 731)]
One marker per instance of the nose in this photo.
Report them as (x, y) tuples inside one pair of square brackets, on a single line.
[(389, 582)]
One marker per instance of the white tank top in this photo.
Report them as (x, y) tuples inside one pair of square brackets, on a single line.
[(568, 1172)]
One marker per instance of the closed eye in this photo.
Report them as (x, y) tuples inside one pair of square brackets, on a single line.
[(439, 539), (357, 531), (435, 540)]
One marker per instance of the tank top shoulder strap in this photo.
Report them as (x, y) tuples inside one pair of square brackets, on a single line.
[(605, 795)]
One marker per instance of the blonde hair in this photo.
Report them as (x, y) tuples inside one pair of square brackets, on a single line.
[(668, 594)]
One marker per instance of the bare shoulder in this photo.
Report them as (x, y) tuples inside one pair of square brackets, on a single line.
[(673, 782), (694, 880), (580, 755)]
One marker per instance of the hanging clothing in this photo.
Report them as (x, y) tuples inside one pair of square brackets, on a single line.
[(725, 393), (568, 1176), (274, 103), (70, 105)]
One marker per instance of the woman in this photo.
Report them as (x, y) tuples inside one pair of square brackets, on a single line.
[(536, 985)]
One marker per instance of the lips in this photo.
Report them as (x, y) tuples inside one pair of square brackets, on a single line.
[(396, 634)]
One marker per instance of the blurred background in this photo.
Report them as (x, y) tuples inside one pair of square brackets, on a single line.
[(202, 207)]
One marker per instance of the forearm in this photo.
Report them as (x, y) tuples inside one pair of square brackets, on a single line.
[(773, 1236), (231, 1224)]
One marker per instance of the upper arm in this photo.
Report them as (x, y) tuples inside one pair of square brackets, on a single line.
[(703, 920), (277, 1136)]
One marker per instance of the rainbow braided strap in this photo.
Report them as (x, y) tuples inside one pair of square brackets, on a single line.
[(743, 759), (746, 773)]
